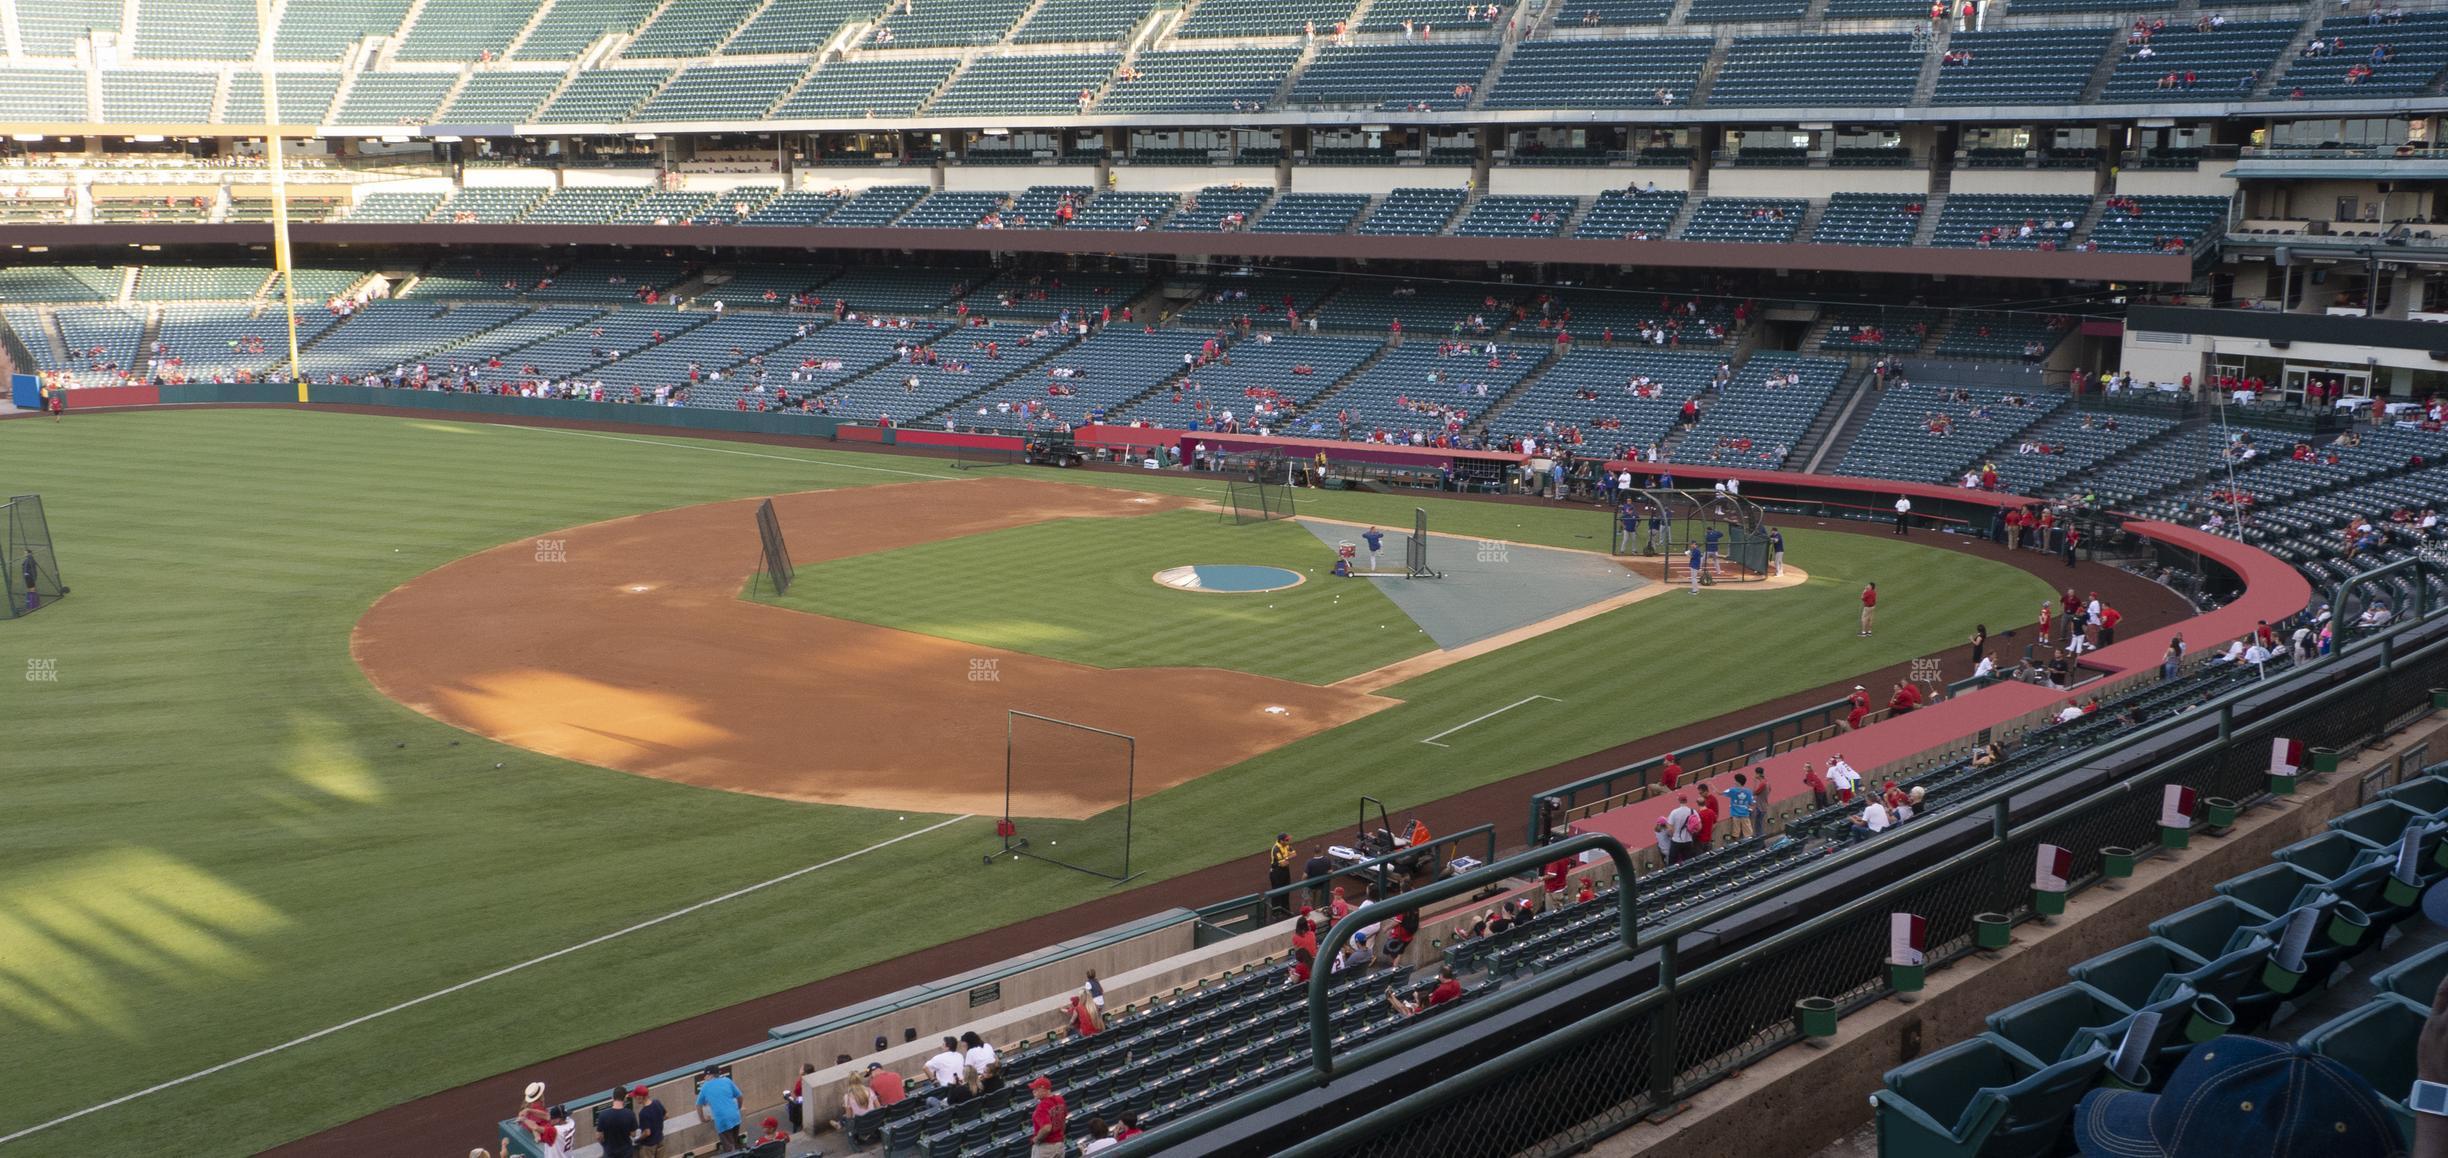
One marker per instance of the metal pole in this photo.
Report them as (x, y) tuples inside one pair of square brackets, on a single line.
[(280, 190)]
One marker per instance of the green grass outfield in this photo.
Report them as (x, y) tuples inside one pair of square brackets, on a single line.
[(212, 845), (1083, 590)]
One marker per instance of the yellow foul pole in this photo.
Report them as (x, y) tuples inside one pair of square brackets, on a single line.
[(280, 188)]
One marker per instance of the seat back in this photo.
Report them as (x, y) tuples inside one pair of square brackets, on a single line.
[(2053, 1025), (2417, 978), (2208, 930), (2038, 1107), (2135, 974), (2273, 890)]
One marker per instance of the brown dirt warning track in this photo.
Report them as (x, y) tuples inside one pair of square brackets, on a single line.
[(637, 652)]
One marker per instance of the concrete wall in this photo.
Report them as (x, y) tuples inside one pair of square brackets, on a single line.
[(2078, 182), (1187, 178), (1013, 178), (1378, 180), (1576, 182), (856, 177), (2205, 180), (1818, 184)]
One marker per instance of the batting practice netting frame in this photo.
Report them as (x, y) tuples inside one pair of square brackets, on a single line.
[(1415, 552), (778, 567), (1094, 770), (967, 456), (25, 544), (1668, 522), (1255, 502)]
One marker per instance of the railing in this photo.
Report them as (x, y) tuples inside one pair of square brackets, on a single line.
[(1248, 914), (1632, 782), (1554, 1090)]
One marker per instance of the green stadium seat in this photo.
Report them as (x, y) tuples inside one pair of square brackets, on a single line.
[(2063, 1022), (2417, 978), (2425, 794), (1981, 1099), (2376, 1041), (2379, 824)]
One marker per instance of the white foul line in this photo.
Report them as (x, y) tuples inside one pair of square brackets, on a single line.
[(471, 982), (1432, 740), (727, 450)]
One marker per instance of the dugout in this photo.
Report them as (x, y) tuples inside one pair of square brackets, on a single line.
[(1353, 465)]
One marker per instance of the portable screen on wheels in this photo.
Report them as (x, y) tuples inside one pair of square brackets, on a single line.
[(1067, 795)]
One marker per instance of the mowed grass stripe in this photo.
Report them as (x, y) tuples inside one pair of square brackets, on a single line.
[(1083, 590), (211, 844)]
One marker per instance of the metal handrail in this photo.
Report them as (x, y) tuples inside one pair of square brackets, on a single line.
[(1321, 1031)]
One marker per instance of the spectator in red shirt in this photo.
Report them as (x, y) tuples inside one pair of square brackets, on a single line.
[(1557, 874), (1448, 988), (2109, 618), (1046, 1121), (1709, 809), (887, 1085), (1861, 708), (773, 1133), (1670, 772)]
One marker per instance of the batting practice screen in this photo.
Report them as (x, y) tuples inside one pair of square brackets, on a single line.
[(1086, 776), (777, 555), (33, 575), (1256, 502)]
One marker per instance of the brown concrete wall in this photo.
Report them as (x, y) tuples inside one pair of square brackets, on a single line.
[(1805, 1097)]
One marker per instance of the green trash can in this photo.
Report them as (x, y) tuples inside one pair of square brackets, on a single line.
[(1907, 979), (2117, 863), (2174, 838), (2439, 697), (2348, 925), (2048, 902), (2281, 784), (1995, 930), (2211, 1018), (1817, 1016), (2220, 812), (2325, 759)]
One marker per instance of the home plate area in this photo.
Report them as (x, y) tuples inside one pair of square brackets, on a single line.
[(1489, 587)]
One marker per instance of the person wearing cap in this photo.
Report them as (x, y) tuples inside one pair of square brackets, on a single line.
[(650, 1115), (719, 1097), (1448, 988), (1860, 699), (616, 1125), (887, 1084), (1046, 1121), (774, 1133), (558, 1144), (2239, 1095), (1869, 599)]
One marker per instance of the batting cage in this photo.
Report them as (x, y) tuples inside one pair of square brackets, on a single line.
[(33, 575), (1732, 532), (1052, 765), (979, 456), (776, 556), (1255, 502)]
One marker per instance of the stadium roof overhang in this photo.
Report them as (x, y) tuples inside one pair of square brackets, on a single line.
[(2063, 265)]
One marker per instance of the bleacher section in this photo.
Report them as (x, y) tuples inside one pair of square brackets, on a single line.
[(2001, 220), (998, 85), (1747, 219), (499, 98), (868, 86), (1078, 21), (2020, 66), (567, 29), (1419, 391), (196, 30), (1869, 219), (602, 95), (691, 27), (798, 25), (1394, 76), (1900, 442), (1756, 421), (1808, 71), (721, 93), (1414, 212), (1232, 19), (393, 98), (1312, 213), (1634, 213), (948, 25), (1600, 74), (2189, 65), (2070, 444), (2350, 64), (583, 204), (321, 30), (464, 30), (1992, 335), (161, 98), (1879, 329), (2158, 224), (1606, 401), (1200, 81), (305, 97), (1287, 371)]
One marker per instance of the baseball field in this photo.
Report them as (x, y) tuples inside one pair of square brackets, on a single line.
[(372, 756)]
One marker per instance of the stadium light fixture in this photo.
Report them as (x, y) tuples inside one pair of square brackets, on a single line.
[(148, 139), (28, 138)]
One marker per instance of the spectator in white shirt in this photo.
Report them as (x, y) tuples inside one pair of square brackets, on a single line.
[(980, 1060), (950, 1072), (1871, 822)]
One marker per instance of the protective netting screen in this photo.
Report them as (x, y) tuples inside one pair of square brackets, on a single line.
[(1256, 502), (1067, 794), (769, 541), (32, 569)]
